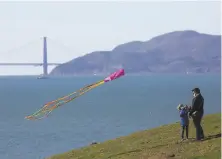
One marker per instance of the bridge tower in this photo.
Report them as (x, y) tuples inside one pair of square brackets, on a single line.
[(45, 60)]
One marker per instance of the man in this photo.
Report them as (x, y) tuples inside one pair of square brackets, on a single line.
[(196, 112)]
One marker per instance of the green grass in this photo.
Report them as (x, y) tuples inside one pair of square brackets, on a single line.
[(159, 143)]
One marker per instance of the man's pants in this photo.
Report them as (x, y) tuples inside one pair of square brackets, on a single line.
[(197, 121), (182, 131)]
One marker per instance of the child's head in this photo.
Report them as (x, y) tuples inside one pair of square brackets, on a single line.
[(180, 107)]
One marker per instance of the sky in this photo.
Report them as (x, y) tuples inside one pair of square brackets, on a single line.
[(77, 28)]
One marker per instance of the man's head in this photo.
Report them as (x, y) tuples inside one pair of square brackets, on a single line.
[(196, 91)]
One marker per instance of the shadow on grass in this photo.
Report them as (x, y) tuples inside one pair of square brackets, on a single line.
[(212, 137)]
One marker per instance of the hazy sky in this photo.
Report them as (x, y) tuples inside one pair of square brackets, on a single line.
[(84, 27)]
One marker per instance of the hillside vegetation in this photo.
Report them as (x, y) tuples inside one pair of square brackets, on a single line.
[(158, 143)]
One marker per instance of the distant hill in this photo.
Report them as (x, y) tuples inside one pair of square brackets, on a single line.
[(174, 52)]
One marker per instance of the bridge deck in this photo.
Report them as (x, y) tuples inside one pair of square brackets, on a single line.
[(27, 64)]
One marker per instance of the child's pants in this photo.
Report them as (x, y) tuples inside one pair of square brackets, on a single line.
[(184, 127)]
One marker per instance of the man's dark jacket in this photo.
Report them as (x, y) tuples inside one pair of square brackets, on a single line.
[(197, 104)]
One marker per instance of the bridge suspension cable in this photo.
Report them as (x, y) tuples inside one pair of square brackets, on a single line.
[(44, 62), (16, 49)]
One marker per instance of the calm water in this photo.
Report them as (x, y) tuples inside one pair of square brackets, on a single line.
[(114, 109)]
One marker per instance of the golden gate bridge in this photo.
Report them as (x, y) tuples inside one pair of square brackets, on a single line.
[(44, 63)]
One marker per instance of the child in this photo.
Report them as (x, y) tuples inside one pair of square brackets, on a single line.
[(183, 110)]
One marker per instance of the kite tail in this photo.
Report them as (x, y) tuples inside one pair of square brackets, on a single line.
[(50, 106)]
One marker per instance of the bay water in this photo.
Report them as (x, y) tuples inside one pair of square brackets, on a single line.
[(117, 108)]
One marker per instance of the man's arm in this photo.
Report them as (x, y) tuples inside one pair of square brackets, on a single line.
[(194, 106)]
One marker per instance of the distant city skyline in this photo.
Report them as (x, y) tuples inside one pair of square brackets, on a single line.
[(85, 27)]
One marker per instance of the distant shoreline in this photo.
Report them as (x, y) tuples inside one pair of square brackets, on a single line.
[(102, 75)]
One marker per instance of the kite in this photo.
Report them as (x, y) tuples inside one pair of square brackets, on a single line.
[(50, 106)]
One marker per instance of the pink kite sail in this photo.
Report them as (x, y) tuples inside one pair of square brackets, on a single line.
[(115, 75)]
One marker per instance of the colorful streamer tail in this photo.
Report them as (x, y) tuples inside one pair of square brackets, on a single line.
[(50, 106)]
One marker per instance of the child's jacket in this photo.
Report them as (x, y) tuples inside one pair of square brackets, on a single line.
[(184, 119)]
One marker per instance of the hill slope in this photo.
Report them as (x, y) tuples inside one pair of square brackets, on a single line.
[(158, 143), (175, 52)]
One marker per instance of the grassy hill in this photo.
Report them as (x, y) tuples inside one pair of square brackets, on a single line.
[(159, 143)]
